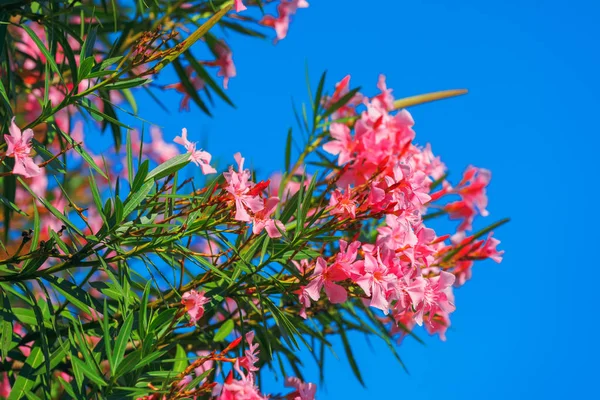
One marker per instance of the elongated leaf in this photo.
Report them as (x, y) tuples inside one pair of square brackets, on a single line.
[(167, 168), (26, 379), (121, 342), (224, 331), (181, 360), (42, 47), (136, 198), (194, 37), (88, 372), (426, 98), (73, 293)]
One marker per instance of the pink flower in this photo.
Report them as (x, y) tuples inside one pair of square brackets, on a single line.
[(410, 289), (438, 324), (462, 210), (281, 23), (197, 83), (194, 304), (224, 61), (5, 387), (19, 146), (396, 233), (239, 187), (207, 365), (250, 357), (304, 391), (342, 145), (342, 204), (326, 276), (375, 279), (239, 6), (346, 257), (261, 219), (304, 299), (198, 157), (242, 389), (385, 99), (474, 192), (488, 250), (341, 89), (161, 150), (437, 297)]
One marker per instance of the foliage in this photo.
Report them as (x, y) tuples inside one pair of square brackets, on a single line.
[(126, 274)]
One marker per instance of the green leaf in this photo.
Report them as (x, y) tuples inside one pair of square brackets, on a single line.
[(349, 354), (88, 372), (181, 360), (27, 379), (87, 49), (205, 76), (224, 331), (121, 342), (319, 95), (141, 175), (12, 206), (42, 47), (340, 103), (85, 68), (167, 168), (288, 150), (194, 37), (135, 198), (189, 88), (6, 327), (127, 83), (73, 293)]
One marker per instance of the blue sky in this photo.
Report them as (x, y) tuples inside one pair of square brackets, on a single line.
[(525, 328)]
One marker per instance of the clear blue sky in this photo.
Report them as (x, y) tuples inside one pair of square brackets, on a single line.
[(526, 328)]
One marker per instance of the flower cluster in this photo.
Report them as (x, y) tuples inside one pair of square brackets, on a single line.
[(408, 271), (250, 206)]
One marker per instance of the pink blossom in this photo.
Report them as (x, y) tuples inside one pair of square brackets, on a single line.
[(19, 146), (250, 357), (195, 80), (224, 61), (198, 157), (474, 192), (161, 150), (488, 249), (239, 6), (341, 89), (346, 257), (396, 233), (194, 304), (304, 391), (385, 99), (410, 289), (281, 23), (326, 276), (462, 210), (239, 185), (206, 365), (242, 389), (304, 299), (342, 204), (438, 324), (436, 297), (375, 279), (342, 145), (5, 387), (262, 220)]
